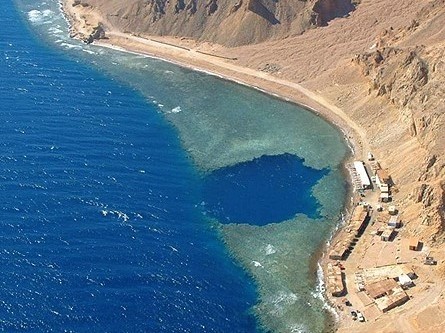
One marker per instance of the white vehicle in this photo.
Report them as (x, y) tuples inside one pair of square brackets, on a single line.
[(360, 316)]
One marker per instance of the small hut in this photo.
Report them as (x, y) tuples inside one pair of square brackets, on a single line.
[(387, 235), (384, 188), (414, 244), (382, 177), (392, 210), (394, 222), (405, 281)]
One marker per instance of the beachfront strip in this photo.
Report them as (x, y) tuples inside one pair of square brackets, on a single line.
[(368, 261)]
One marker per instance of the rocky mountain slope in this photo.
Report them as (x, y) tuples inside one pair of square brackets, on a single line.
[(226, 22), (407, 68)]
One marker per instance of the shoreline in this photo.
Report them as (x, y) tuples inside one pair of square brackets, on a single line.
[(345, 129), (214, 65), (265, 83), (320, 256), (319, 264)]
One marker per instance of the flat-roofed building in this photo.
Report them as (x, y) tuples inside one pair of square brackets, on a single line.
[(335, 281), (414, 244), (376, 274), (394, 222), (354, 229), (396, 297), (359, 220), (381, 177), (381, 288), (384, 188), (339, 252), (359, 167), (392, 210), (405, 281), (387, 235)]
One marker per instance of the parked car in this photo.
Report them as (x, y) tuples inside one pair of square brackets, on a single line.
[(430, 261), (360, 317)]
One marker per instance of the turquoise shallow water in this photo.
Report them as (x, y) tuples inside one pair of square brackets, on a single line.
[(174, 170)]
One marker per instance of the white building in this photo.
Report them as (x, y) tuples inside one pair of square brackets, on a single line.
[(381, 178), (384, 188), (394, 222), (359, 167), (405, 281)]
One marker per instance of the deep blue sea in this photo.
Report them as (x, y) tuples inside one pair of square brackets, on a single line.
[(262, 191), (99, 230), (126, 203)]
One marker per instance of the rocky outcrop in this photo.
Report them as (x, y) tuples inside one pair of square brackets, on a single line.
[(326, 10), (97, 32), (257, 7), (89, 32), (226, 22), (411, 79), (395, 73)]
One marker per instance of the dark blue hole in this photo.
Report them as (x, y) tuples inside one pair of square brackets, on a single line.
[(266, 190)]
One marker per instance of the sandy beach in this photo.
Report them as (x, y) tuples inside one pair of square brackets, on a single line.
[(426, 299), (204, 59)]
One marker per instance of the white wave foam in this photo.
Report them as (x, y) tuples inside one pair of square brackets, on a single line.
[(34, 15), (270, 249), (298, 328), (88, 51), (157, 103), (70, 46), (256, 263), (55, 30), (47, 13), (38, 17), (285, 298), (174, 249), (320, 293), (176, 109), (120, 215), (281, 302)]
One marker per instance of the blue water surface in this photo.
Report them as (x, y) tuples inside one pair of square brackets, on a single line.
[(266, 190), (99, 225)]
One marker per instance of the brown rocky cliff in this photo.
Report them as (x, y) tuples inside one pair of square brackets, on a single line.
[(225, 22), (326, 10), (90, 31)]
